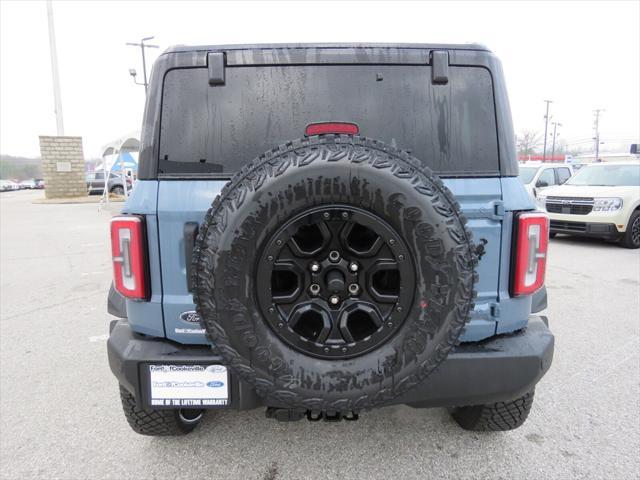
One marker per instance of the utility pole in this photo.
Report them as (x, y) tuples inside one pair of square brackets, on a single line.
[(553, 148), (54, 71), (596, 127), (546, 124), (142, 46)]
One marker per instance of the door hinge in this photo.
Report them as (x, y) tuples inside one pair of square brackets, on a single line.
[(439, 60), (494, 310), (498, 210), (493, 211), (216, 64)]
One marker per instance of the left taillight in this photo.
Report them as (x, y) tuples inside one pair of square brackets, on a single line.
[(128, 251), (531, 237)]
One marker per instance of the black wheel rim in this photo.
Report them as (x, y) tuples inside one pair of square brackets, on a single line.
[(335, 282), (635, 231)]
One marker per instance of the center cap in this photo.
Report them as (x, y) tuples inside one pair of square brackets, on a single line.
[(335, 281)]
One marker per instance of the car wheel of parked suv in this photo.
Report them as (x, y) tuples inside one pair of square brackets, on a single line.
[(631, 238), (155, 422), (334, 274), (499, 416), (117, 190)]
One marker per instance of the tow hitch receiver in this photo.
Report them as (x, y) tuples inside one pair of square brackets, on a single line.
[(287, 415)]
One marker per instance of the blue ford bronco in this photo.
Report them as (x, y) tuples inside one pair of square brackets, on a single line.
[(320, 230)]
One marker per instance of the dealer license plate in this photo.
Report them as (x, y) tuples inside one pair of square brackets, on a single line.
[(188, 385)]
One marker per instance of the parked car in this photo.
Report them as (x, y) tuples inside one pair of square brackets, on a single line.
[(27, 185), (345, 232), (8, 185), (539, 176), (95, 183), (39, 183), (602, 200)]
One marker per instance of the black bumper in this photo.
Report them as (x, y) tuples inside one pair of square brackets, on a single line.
[(607, 231), (501, 368)]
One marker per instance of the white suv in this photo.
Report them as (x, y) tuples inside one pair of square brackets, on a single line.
[(601, 200), (539, 176)]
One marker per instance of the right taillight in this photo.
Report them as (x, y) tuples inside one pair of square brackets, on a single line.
[(129, 257), (531, 240)]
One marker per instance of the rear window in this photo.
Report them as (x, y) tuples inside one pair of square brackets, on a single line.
[(215, 130)]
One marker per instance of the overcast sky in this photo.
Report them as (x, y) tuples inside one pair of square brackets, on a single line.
[(582, 55)]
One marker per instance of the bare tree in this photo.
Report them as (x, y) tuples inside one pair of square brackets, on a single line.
[(527, 142)]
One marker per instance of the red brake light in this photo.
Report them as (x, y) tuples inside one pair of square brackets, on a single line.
[(531, 241), (129, 257), (331, 127)]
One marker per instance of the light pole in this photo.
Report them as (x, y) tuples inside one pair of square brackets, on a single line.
[(54, 70), (132, 71), (553, 148), (546, 124), (596, 126)]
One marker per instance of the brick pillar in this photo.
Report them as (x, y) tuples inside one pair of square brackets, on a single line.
[(63, 167)]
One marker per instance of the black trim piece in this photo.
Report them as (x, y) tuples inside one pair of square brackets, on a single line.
[(190, 234), (606, 231)]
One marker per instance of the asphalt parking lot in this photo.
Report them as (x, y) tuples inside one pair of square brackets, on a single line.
[(61, 416)]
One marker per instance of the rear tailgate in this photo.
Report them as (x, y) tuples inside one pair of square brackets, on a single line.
[(184, 201)]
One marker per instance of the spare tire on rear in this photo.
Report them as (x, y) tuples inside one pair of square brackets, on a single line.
[(334, 273)]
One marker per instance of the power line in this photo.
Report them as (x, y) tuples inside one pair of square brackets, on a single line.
[(553, 148), (546, 124), (596, 126)]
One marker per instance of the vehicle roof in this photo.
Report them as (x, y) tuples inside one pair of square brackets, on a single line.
[(297, 46), (628, 162), (544, 165)]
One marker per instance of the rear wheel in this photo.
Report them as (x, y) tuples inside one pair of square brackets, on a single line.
[(631, 238), (146, 421), (494, 417)]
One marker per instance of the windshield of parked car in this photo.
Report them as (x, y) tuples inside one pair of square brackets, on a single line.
[(608, 176), (527, 174)]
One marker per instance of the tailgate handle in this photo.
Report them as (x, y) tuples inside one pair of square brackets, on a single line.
[(190, 234)]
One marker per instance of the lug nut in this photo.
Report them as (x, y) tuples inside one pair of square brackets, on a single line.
[(314, 267), (354, 288), (326, 215), (334, 300), (392, 242), (314, 289), (345, 215), (334, 255), (353, 266)]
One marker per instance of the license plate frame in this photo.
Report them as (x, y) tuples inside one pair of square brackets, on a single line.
[(186, 385)]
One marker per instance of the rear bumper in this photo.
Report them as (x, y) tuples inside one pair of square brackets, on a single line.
[(607, 231), (500, 368)]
